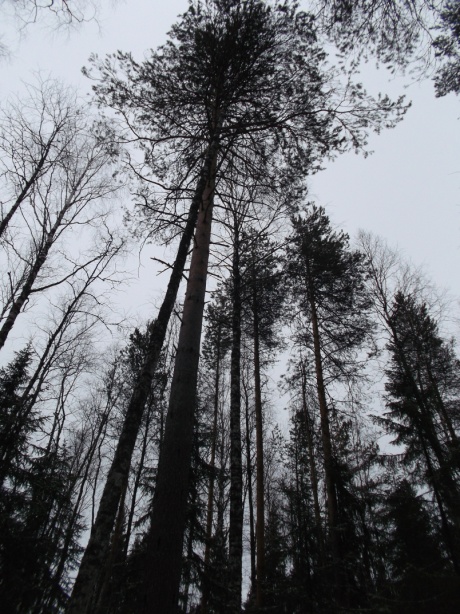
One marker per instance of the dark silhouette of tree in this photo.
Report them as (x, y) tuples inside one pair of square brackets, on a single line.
[(36, 504), (328, 283), (417, 412), (419, 581), (118, 475), (447, 46), (398, 34)]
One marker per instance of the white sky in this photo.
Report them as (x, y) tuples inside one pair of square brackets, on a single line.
[(408, 191)]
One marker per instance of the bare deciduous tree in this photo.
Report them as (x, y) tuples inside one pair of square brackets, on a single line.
[(56, 181)]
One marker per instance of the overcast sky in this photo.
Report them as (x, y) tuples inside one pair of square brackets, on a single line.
[(408, 190)]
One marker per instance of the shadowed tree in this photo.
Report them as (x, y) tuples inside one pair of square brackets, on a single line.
[(419, 581), (328, 283), (419, 413), (422, 381)]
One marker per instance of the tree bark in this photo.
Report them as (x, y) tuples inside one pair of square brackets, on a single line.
[(332, 510), (135, 487), (115, 556), (164, 544)]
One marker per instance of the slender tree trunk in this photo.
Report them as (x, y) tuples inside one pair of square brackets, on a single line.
[(27, 185), (212, 464), (331, 495), (187, 571), (252, 536), (100, 534), (18, 303), (326, 435), (260, 509), (106, 583), (164, 544), (235, 553), (82, 470), (137, 481), (312, 469)]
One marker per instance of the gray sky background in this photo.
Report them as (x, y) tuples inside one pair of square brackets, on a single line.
[(407, 191)]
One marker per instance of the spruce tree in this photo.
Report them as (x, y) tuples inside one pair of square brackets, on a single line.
[(421, 392), (419, 581), (37, 520)]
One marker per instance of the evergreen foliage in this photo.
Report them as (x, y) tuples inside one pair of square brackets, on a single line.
[(36, 504)]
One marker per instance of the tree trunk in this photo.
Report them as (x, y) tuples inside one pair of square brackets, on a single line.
[(312, 469), (100, 534), (135, 487), (164, 544), (115, 556), (332, 505), (212, 464), (260, 509), (235, 551), (82, 470), (187, 571), (252, 537), (18, 303), (325, 435), (27, 185)]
